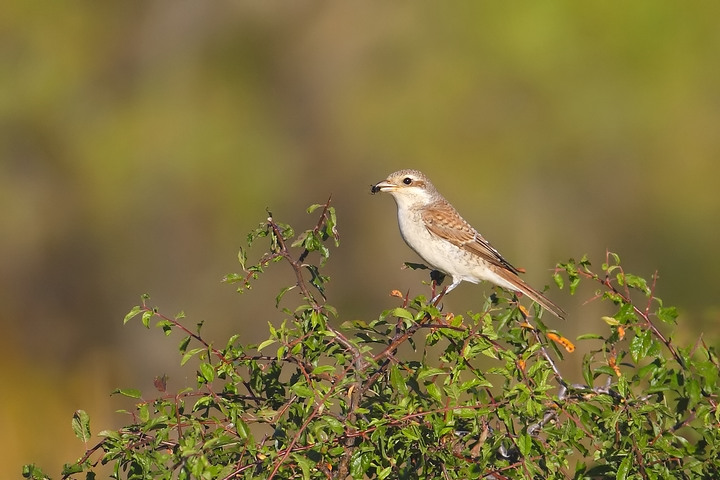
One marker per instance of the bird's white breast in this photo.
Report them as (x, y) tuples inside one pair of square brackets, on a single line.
[(438, 253)]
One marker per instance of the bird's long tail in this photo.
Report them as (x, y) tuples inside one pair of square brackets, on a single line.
[(534, 295)]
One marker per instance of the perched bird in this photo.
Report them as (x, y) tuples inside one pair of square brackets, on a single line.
[(432, 227)]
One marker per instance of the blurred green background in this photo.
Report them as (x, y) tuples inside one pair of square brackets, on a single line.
[(141, 141)]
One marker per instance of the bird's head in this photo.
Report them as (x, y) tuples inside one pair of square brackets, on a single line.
[(408, 187)]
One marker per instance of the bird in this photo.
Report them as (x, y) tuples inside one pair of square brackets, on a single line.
[(432, 227)]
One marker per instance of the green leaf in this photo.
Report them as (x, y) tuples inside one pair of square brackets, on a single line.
[(207, 372), (112, 434), (128, 392), (465, 412), (623, 387), (359, 463), (203, 402), (305, 465), (606, 266), (434, 391), (587, 369), (318, 320), (166, 326), (590, 336), (70, 469), (384, 473), (430, 372), (81, 425), (314, 207), (146, 316), (626, 314), (243, 430), (302, 390), (590, 408), (693, 390), (401, 313), (316, 279), (668, 314), (190, 354), (132, 314), (306, 240), (475, 383), (143, 412), (242, 258), (642, 345), (33, 472), (266, 343), (636, 282), (624, 468), (282, 294), (322, 369), (184, 344), (335, 425), (524, 443), (397, 380), (610, 321)]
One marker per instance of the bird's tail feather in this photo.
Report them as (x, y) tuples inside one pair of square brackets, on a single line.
[(534, 295)]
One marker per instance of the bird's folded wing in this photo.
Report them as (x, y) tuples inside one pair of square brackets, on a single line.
[(442, 219)]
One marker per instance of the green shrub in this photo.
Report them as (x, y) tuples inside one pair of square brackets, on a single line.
[(482, 397)]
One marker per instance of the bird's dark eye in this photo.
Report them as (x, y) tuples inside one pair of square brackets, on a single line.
[(407, 180)]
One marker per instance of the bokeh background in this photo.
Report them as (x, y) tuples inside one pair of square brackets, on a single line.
[(141, 141)]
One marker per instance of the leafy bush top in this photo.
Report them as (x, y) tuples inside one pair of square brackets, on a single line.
[(483, 396)]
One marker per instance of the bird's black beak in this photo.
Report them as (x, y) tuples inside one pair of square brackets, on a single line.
[(383, 186)]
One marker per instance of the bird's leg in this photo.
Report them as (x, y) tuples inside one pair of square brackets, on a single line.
[(453, 285)]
